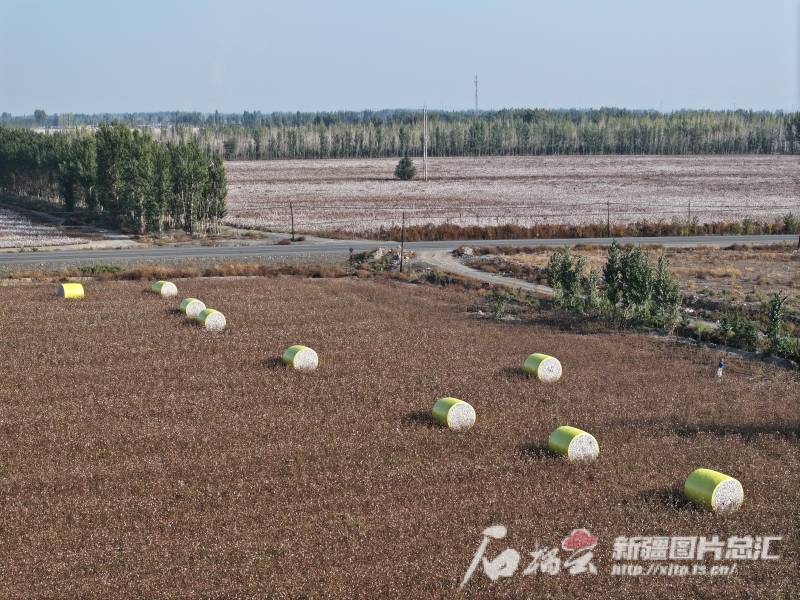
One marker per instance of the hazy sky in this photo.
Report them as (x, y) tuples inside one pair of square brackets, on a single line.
[(232, 55)]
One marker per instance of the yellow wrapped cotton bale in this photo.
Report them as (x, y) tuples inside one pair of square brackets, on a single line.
[(712, 489), (300, 357), (72, 291), (544, 368), (454, 414), (212, 320), (192, 307), (574, 443), (165, 289)]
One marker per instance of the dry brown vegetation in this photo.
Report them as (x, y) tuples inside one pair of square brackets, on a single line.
[(144, 457)]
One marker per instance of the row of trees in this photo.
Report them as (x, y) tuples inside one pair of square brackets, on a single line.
[(390, 133), (118, 173), (528, 132), (630, 287)]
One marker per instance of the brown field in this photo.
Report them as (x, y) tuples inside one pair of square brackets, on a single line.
[(143, 457), (362, 196)]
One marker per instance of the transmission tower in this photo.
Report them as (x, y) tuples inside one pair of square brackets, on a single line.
[(476, 94)]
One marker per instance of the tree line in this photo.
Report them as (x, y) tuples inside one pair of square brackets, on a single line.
[(392, 133), (517, 133), (119, 173)]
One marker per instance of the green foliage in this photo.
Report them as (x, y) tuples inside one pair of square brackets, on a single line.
[(737, 330), (123, 174), (389, 133), (564, 273), (791, 224), (40, 117), (666, 297), (776, 336), (591, 294), (499, 303), (612, 274), (405, 169), (637, 279)]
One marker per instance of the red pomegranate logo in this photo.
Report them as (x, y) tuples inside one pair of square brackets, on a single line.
[(578, 540)]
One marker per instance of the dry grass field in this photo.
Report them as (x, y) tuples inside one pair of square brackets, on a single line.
[(361, 195), (143, 457)]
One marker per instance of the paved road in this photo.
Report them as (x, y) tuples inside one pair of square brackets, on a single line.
[(333, 249)]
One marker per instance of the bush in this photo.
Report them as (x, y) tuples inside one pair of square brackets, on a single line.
[(405, 169), (775, 334), (791, 224), (737, 330), (564, 274)]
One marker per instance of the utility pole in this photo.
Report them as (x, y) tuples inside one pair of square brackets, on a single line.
[(476, 95), (402, 240), (608, 218), (425, 142), (291, 213)]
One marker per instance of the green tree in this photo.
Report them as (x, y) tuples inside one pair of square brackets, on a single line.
[(564, 274), (405, 169), (666, 296), (776, 312), (637, 279), (612, 274)]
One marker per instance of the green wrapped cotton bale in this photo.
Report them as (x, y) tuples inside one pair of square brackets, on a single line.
[(300, 357), (192, 307), (212, 320), (71, 291), (543, 367), (712, 489), (574, 443), (454, 414), (165, 289)]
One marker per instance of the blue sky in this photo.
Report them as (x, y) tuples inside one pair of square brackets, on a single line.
[(109, 56)]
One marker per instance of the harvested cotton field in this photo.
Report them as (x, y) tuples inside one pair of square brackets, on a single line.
[(142, 456), (362, 195), (19, 231)]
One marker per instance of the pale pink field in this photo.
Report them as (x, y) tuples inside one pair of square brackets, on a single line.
[(362, 194), (18, 231)]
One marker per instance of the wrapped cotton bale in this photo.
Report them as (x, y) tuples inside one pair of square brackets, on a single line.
[(192, 307), (454, 414), (73, 291), (574, 443), (712, 489), (543, 367), (300, 357), (165, 289), (212, 320)]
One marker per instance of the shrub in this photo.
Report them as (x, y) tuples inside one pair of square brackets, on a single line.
[(612, 274), (405, 169), (564, 272), (637, 279), (666, 297), (737, 330), (776, 336), (791, 224)]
